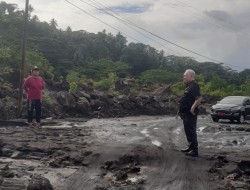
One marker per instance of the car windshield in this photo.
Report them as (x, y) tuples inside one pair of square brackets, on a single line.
[(232, 100)]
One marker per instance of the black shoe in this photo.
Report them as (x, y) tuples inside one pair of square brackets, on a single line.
[(185, 150), (192, 153)]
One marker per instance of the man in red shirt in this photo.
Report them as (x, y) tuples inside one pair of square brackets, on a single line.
[(34, 86)]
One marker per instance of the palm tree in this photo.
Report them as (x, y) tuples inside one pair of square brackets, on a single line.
[(35, 18), (53, 23)]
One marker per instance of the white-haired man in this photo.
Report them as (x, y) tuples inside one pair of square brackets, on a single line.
[(188, 111)]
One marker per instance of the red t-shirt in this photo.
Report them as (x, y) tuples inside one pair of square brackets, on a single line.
[(33, 87)]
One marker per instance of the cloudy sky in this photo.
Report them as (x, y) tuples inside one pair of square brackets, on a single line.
[(218, 30)]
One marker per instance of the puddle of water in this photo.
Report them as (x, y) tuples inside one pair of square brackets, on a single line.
[(145, 132), (57, 127), (108, 176), (200, 129), (177, 131), (63, 126), (133, 177), (156, 143), (153, 125)]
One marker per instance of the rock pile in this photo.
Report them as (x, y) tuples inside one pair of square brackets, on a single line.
[(233, 175)]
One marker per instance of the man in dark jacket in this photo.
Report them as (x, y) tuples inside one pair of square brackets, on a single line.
[(188, 111), (34, 86)]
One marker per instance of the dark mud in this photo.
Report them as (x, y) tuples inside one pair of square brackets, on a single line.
[(124, 153)]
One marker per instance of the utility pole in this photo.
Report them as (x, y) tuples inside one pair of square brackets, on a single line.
[(24, 42)]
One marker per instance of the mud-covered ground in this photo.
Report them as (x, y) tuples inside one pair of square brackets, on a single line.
[(130, 153)]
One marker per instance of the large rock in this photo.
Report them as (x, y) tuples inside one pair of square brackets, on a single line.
[(1, 180), (244, 165), (57, 86), (66, 99), (8, 107), (84, 94), (38, 182), (83, 105), (51, 107)]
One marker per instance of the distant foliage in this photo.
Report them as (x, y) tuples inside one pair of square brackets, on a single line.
[(178, 88), (47, 98), (77, 81), (5, 71), (73, 87), (159, 76), (84, 58), (35, 58), (108, 83), (101, 68), (245, 88)]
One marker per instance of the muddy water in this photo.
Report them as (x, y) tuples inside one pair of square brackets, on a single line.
[(121, 153), (224, 137), (157, 140)]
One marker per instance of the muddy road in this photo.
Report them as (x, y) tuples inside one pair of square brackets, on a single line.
[(121, 153)]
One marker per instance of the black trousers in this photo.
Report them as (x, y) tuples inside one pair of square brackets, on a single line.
[(31, 105), (190, 123)]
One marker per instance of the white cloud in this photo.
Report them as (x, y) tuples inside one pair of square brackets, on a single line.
[(184, 22)]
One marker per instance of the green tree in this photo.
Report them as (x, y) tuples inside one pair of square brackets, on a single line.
[(108, 82), (5, 71), (101, 68), (53, 24), (245, 88), (216, 84), (140, 57), (159, 76), (244, 75), (34, 58)]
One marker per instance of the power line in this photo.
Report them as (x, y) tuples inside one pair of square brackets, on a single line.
[(207, 17), (126, 22), (155, 36), (101, 20), (167, 40), (175, 43), (135, 25), (213, 16)]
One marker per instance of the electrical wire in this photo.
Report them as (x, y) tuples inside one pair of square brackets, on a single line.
[(131, 23), (214, 17), (166, 40), (126, 22), (205, 17), (102, 21), (153, 34)]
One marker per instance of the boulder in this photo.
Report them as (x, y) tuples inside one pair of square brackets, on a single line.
[(38, 182), (84, 94), (66, 99), (8, 107), (56, 86), (83, 105), (244, 165)]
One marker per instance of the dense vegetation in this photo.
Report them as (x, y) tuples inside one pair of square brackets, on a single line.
[(84, 58)]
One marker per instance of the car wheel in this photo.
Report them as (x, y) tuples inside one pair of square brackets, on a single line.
[(241, 118), (215, 119)]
